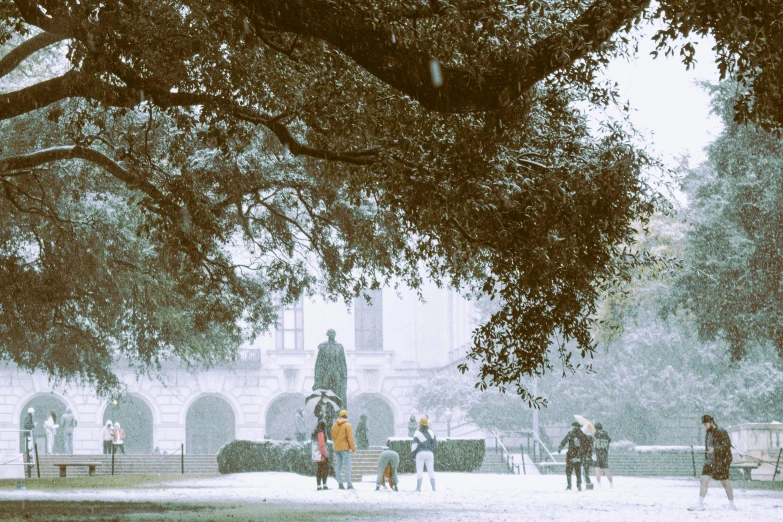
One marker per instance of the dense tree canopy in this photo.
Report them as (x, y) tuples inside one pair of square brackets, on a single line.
[(198, 163)]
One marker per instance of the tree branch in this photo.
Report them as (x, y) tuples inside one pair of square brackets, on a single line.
[(462, 90), (11, 61)]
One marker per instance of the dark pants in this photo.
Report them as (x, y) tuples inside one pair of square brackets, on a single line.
[(323, 472), (119, 448), (576, 467), (107, 447), (28, 457), (586, 461)]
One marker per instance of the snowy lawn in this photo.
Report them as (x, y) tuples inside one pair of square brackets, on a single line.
[(460, 497)]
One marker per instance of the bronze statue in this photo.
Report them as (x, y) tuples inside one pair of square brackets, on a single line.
[(331, 370)]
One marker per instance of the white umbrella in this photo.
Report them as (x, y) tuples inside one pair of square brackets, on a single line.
[(322, 398), (585, 423)]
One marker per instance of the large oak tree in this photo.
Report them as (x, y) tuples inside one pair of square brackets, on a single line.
[(198, 163)]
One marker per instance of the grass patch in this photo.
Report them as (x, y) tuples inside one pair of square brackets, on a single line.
[(763, 485), (57, 511), (96, 482)]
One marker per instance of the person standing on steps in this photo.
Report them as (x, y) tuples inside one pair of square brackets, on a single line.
[(422, 449), (575, 440), (344, 445), (412, 426), (68, 424), (108, 435), (390, 459), (118, 438), (51, 430), (28, 426), (602, 441), (300, 432), (717, 460), (320, 455), (362, 442)]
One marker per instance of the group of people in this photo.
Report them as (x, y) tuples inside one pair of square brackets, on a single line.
[(113, 438), (423, 444), (579, 456), (51, 426), (581, 443)]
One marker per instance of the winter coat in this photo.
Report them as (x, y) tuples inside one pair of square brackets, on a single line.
[(587, 447), (69, 422), (107, 433), (602, 441), (362, 442), (421, 443), (118, 435), (29, 425), (319, 447), (718, 438), (575, 440), (342, 435), (50, 426)]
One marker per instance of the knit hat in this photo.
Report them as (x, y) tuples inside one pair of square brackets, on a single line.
[(575, 424), (343, 413), (598, 426), (423, 421), (707, 418)]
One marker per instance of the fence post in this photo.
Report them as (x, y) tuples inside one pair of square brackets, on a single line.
[(776, 465), (182, 455), (113, 448), (693, 460), (37, 464)]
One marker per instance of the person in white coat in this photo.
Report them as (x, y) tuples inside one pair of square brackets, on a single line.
[(108, 435), (51, 429), (422, 446)]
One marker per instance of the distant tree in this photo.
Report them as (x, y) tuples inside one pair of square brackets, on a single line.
[(345, 145), (734, 261)]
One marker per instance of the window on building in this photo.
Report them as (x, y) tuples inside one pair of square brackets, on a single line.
[(290, 327), (368, 321)]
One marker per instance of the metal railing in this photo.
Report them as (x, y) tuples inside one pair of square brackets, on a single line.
[(507, 456), (544, 446)]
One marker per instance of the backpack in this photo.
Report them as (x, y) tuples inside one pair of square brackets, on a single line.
[(122, 434)]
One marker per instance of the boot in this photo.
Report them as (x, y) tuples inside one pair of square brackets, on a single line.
[(377, 488), (432, 481), (395, 488), (418, 485)]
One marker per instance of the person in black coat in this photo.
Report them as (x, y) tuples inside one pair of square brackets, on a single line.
[(717, 459), (575, 440)]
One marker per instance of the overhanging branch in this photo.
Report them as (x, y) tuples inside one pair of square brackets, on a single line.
[(11, 61)]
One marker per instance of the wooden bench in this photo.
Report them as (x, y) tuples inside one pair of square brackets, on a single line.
[(90, 466), (746, 468)]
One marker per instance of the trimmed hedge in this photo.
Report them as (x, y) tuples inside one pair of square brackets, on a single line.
[(461, 455), (243, 456)]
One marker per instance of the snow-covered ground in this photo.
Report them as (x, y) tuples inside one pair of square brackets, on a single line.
[(460, 497)]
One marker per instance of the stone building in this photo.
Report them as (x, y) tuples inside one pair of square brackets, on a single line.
[(390, 346)]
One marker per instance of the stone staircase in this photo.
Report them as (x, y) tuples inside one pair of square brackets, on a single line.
[(493, 463), (365, 462), (130, 464)]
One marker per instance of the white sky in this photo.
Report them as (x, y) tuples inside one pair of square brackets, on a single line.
[(666, 102)]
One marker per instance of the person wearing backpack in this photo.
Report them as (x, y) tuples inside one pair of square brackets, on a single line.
[(118, 438), (320, 455), (422, 447), (575, 440)]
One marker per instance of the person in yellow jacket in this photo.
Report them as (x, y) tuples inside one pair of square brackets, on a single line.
[(344, 445)]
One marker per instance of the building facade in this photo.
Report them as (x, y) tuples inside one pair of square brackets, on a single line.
[(391, 345)]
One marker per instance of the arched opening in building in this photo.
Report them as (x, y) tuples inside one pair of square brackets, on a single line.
[(43, 404), (281, 417), (209, 425), (380, 417), (135, 418)]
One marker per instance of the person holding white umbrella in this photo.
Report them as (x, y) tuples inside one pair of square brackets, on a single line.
[(575, 440)]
